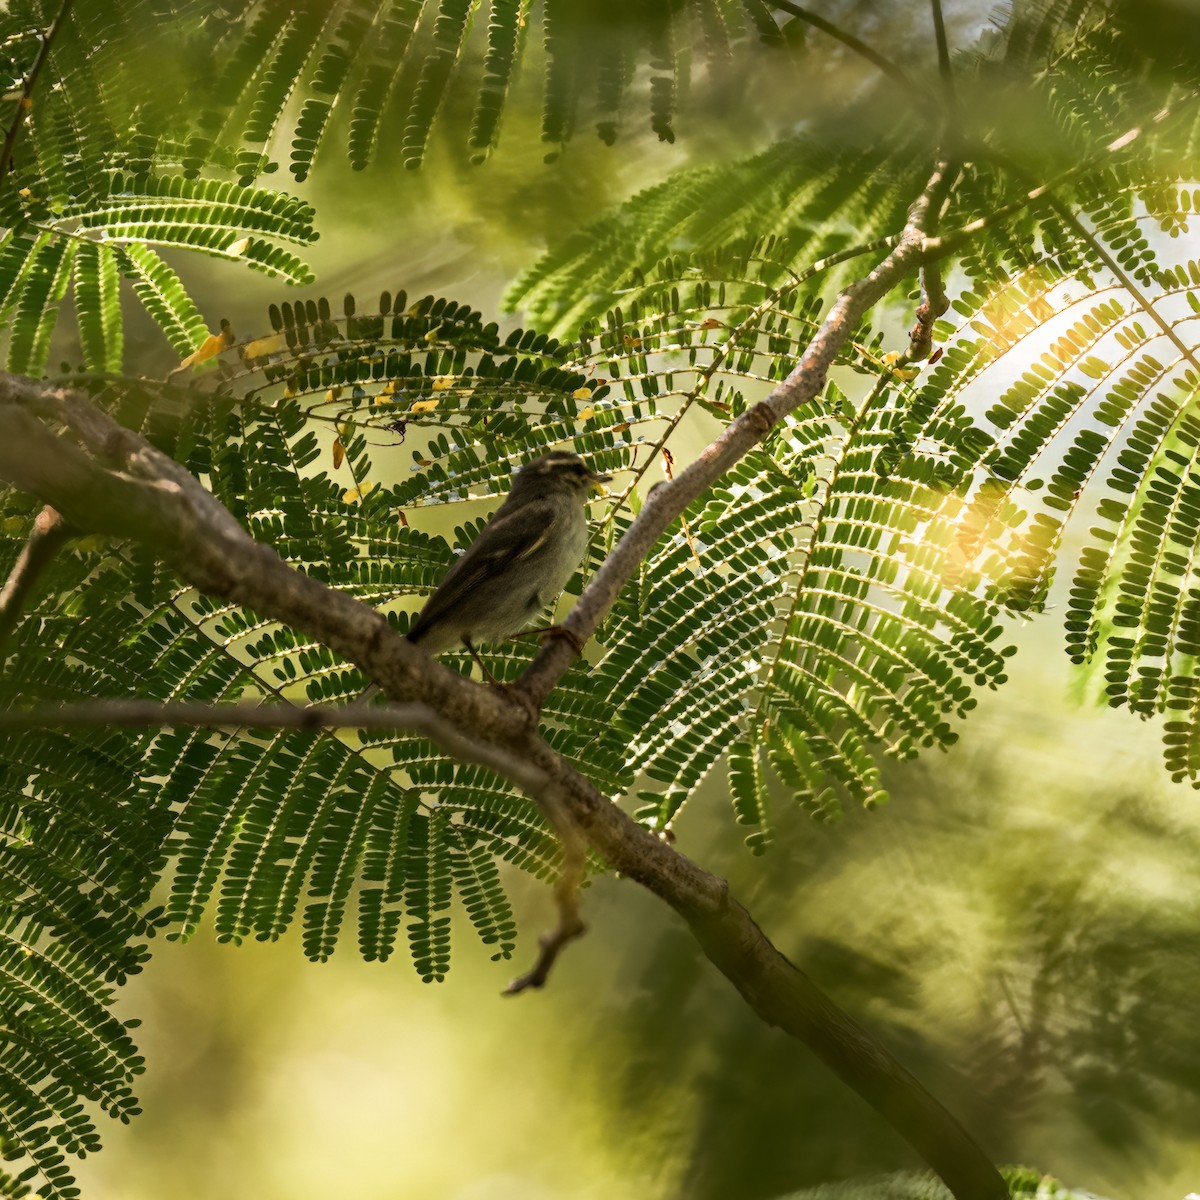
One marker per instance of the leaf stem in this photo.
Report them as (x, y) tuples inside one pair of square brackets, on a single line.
[(26, 100)]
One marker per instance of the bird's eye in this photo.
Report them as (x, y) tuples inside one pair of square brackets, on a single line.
[(580, 469)]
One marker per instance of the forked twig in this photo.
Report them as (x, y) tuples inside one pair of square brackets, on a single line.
[(566, 896)]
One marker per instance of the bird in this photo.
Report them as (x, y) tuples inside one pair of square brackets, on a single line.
[(520, 561)]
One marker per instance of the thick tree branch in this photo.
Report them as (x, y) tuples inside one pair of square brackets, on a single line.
[(114, 482), (670, 499), (110, 480)]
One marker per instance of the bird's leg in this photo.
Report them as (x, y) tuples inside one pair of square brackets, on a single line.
[(482, 665), (552, 631)]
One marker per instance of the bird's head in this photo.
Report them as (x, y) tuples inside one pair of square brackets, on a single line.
[(557, 473)]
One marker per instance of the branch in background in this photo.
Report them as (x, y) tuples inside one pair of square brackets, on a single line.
[(947, 243), (943, 49), (885, 65), (25, 102), (50, 533)]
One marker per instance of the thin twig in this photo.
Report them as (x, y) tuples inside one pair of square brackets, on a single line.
[(26, 100), (933, 304), (151, 714), (47, 537), (566, 896)]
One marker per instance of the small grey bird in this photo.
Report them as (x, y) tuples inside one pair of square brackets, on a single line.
[(518, 564)]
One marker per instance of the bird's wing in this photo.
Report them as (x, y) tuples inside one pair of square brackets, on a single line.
[(507, 539)]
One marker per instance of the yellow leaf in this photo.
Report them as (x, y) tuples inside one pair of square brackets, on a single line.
[(586, 414), (264, 347), (239, 247), (890, 357), (333, 395), (443, 382), (339, 453), (344, 430), (354, 494), (583, 393), (434, 334), (423, 406), (382, 400), (211, 346)]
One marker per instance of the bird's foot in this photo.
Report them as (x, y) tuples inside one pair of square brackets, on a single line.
[(554, 631)]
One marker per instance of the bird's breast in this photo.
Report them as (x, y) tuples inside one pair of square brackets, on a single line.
[(568, 552)]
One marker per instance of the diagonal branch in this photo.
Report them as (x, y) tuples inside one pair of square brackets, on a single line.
[(152, 714), (885, 65), (807, 378)]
